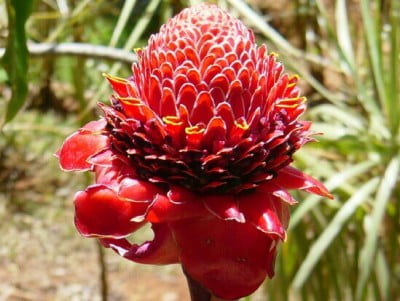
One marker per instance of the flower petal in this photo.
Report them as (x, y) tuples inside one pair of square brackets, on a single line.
[(292, 178), (161, 250), (100, 213), (228, 258), (103, 158), (137, 191), (108, 176), (81, 145), (278, 191), (94, 126), (121, 86), (224, 207), (172, 208), (264, 211), (112, 175)]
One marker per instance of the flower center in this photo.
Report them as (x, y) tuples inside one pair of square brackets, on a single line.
[(153, 154)]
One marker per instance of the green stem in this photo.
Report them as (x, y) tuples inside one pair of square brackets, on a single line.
[(103, 272)]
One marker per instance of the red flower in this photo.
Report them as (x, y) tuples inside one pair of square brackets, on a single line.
[(197, 142)]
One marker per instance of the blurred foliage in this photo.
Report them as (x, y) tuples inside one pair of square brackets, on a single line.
[(15, 59), (346, 52)]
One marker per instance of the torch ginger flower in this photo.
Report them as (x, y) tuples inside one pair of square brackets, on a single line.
[(197, 142)]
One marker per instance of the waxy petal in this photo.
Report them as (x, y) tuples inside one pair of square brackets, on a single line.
[(178, 204), (292, 178), (278, 191), (203, 109), (94, 126), (112, 175), (224, 207), (137, 191), (81, 145), (121, 86), (103, 158), (228, 258), (100, 213), (264, 212), (161, 250)]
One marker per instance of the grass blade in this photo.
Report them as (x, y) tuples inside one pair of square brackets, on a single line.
[(346, 116), (343, 32), (394, 91), (375, 53), (332, 230), (383, 275), (15, 60), (122, 20), (368, 251)]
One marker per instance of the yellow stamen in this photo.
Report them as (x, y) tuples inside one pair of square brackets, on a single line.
[(284, 103), (114, 78), (242, 124), (293, 80), (172, 120), (130, 100), (192, 130)]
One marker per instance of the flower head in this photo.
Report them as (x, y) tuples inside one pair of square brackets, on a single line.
[(197, 142)]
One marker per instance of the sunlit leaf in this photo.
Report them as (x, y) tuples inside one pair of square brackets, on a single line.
[(346, 116), (394, 90), (122, 21), (370, 19), (368, 251), (383, 275), (343, 32)]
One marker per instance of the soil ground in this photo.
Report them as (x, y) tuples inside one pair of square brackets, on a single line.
[(46, 259)]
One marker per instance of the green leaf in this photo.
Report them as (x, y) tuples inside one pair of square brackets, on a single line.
[(15, 60), (382, 271), (122, 21), (331, 231), (394, 90), (346, 116), (368, 251), (371, 21), (343, 32)]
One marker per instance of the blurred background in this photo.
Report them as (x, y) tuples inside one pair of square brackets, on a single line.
[(347, 53)]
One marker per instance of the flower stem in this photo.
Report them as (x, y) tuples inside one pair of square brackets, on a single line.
[(103, 272), (198, 292)]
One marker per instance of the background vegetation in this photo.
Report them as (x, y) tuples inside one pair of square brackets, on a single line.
[(348, 56)]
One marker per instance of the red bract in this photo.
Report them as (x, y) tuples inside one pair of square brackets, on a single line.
[(197, 142)]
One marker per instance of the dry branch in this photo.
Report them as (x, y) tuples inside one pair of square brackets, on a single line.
[(79, 49)]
